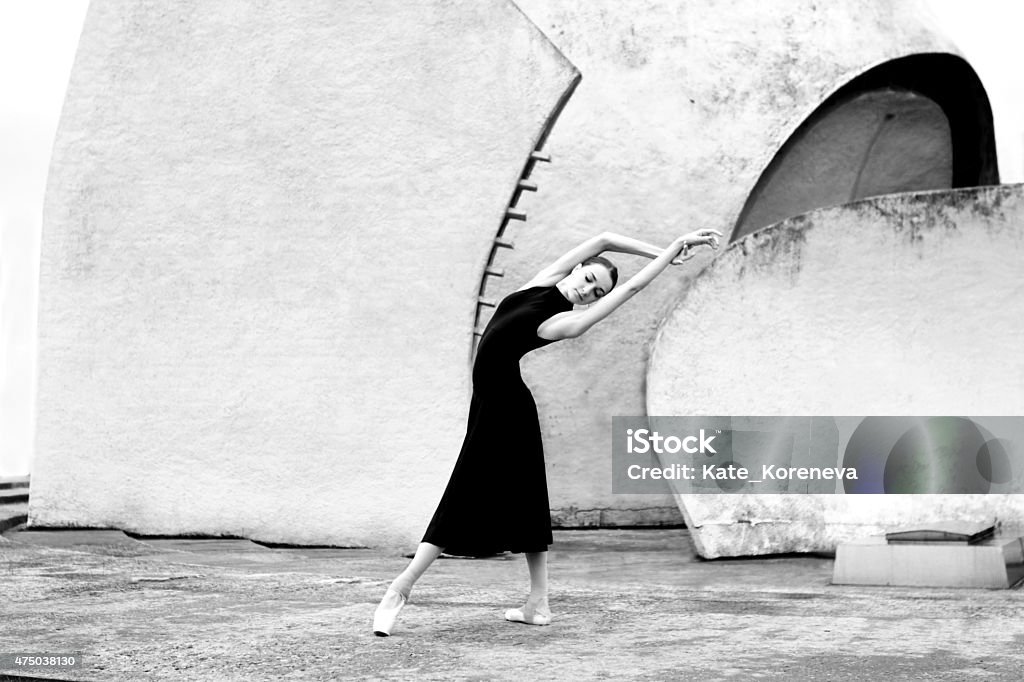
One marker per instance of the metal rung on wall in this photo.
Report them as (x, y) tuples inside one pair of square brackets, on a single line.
[(524, 184)]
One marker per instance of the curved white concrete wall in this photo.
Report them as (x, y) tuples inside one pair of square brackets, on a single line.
[(263, 234), (682, 107), (900, 305), (227, 178)]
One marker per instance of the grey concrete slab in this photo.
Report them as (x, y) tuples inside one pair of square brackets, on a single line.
[(72, 537), (994, 563), (13, 495), (627, 605), (12, 515), (210, 551), (112, 542), (206, 545)]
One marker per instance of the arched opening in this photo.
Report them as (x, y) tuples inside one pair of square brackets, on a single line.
[(916, 123)]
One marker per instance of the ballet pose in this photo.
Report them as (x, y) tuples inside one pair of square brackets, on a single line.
[(497, 499)]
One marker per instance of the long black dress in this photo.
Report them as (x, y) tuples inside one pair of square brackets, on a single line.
[(497, 497)]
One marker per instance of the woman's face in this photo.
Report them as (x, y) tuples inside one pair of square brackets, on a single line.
[(586, 283)]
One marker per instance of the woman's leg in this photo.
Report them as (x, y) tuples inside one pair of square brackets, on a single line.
[(538, 600), (425, 555), (398, 593), (536, 610)]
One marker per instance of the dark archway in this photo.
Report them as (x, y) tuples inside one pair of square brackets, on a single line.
[(915, 123)]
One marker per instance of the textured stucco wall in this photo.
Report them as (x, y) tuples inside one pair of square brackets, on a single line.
[(267, 224), (682, 107), (263, 234), (900, 305)]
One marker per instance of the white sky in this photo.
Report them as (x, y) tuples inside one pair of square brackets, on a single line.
[(988, 32), (37, 44)]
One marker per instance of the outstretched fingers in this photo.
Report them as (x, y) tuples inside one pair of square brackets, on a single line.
[(709, 237), (706, 237)]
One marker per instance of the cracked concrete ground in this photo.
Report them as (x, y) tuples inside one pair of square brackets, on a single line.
[(628, 604)]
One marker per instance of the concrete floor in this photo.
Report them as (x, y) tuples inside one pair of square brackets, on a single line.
[(629, 604)]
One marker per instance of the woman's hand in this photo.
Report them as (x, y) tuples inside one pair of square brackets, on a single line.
[(697, 238)]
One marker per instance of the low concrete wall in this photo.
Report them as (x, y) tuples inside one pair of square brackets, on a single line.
[(264, 231), (906, 304)]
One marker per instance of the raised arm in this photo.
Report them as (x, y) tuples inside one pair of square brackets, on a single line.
[(622, 244), (575, 322), (606, 241), (570, 259)]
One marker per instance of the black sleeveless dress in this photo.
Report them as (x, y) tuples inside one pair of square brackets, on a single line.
[(497, 497)]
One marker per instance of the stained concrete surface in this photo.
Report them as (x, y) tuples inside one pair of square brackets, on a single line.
[(907, 304), (681, 108), (634, 604)]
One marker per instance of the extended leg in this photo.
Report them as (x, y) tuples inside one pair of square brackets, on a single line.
[(398, 593), (425, 555)]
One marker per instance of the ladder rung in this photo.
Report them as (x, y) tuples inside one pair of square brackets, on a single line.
[(504, 243), (478, 331), (489, 302), (515, 214), (540, 156), (528, 185), (494, 272)]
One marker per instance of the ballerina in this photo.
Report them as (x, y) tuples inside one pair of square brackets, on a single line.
[(503, 439)]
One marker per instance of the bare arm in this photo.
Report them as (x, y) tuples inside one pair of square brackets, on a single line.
[(606, 241), (570, 259), (572, 323), (622, 244)]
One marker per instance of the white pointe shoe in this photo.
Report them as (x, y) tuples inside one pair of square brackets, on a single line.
[(517, 616), (385, 616)]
